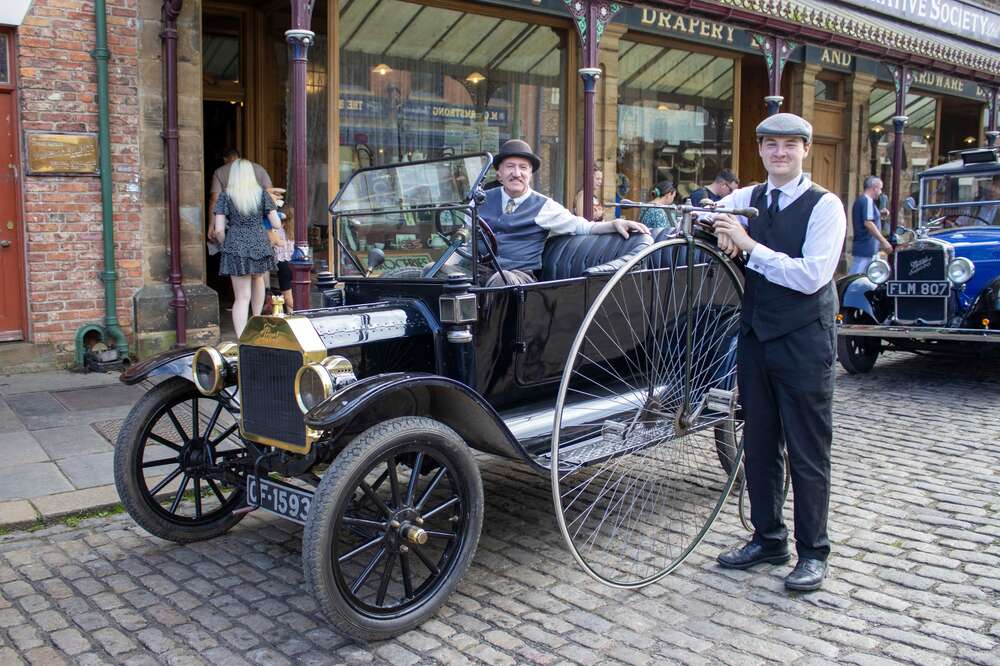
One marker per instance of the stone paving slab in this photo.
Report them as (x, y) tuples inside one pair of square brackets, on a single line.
[(89, 470), (32, 480), (915, 572), (54, 380), (85, 399), (19, 448), (72, 441)]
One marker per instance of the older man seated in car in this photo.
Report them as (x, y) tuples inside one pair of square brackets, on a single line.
[(522, 219)]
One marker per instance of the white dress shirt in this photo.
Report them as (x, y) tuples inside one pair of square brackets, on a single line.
[(552, 216), (821, 249)]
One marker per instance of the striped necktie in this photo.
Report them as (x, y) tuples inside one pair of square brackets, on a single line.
[(509, 208)]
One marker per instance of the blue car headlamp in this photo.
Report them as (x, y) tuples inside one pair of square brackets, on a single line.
[(960, 270)]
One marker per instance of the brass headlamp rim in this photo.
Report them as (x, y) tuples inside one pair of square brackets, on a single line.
[(326, 379), (218, 364)]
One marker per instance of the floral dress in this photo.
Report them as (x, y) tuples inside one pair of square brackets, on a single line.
[(246, 249), (657, 218)]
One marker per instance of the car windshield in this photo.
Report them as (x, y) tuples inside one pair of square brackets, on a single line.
[(406, 213), (960, 200)]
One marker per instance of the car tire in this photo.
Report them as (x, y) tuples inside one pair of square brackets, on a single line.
[(857, 354), (144, 504), (329, 527)]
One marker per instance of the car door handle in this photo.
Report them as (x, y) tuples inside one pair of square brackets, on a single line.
[(5, 243)]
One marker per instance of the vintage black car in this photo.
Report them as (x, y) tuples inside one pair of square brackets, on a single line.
[(614, 376), (939, 290)]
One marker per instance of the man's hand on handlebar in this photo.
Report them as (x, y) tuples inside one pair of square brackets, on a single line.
[(733, 236)]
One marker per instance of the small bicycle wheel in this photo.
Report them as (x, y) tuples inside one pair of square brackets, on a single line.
[(646, 412)]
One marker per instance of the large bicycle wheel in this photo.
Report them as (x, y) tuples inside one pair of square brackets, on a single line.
[(647, 395)]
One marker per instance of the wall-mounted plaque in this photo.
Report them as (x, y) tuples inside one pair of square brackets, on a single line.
[(60, 154)]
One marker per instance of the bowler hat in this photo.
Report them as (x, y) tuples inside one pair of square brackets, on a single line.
[(517, 148)]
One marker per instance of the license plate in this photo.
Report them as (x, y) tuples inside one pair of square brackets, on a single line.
[(279, 498), (902, 288)]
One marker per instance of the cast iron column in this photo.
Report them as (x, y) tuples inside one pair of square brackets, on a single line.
[(171, 10), (902, 77), (991, 122), (589, 76), (590, 17), (299, 39)]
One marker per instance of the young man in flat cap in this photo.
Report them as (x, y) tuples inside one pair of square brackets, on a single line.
[(787, 347), (522, 219)]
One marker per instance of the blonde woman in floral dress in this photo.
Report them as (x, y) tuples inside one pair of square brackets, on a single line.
[(247, 256)]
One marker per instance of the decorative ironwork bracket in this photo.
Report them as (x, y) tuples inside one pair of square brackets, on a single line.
[(776, 52), (591, 17)]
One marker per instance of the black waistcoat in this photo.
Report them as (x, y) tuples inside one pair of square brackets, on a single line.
[(772, 310)]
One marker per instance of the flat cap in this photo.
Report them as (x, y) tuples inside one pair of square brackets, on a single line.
[(785, 124)]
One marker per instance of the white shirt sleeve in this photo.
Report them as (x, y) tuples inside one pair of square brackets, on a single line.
[(554, 217), (820, 251)]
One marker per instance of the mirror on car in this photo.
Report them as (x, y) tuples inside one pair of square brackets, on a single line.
[(910, 203)]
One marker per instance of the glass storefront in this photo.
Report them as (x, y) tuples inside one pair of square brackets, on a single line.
[(675, 117), (918, 137), (420, 82)]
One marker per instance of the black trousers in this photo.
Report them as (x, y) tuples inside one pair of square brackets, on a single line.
[(786, 388)]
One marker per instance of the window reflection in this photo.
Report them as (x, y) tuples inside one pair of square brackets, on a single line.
[(675, 117), (918, 137), (422, 82), (4, 60)]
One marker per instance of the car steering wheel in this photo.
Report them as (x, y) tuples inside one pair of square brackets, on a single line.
[(491, 239)]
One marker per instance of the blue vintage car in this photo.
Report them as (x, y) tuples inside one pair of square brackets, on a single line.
[(939, 290)]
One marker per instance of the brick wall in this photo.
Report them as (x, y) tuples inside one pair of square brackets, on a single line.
[(58, 93)]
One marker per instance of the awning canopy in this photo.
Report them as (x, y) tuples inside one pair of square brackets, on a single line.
[(824, 22)]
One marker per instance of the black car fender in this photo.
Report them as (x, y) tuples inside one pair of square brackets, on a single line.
[(988, 300), (174, 363), (375, 399), (852, 292)]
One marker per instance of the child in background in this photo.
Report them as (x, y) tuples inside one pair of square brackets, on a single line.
[(283, 254)]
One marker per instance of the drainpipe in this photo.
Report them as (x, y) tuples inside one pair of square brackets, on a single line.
[(109, 276), (171, 10)]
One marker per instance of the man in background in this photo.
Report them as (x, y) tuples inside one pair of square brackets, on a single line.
[(865, 220), (725, 183)]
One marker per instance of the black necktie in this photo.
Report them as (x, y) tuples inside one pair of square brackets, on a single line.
[(772, 210)]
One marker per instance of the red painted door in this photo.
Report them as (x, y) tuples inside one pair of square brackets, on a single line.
[(11, 232)]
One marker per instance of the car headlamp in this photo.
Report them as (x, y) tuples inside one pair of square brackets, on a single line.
[(878, 271), (960, 270), (316, 382), (210, 368)]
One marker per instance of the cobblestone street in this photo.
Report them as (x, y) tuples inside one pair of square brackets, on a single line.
[(914, 578)]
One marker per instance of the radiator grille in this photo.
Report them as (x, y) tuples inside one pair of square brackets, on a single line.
[(922, 264), (267, 389)]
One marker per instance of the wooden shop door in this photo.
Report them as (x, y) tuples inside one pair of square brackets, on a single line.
[(11, 234), (826, 165)]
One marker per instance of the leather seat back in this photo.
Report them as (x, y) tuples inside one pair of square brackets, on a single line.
[(570, 256)]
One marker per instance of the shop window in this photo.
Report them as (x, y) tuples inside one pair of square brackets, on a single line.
[(4, 60), (221, 54), (828, 90), (919, 137), (675, 117), (421, 82)]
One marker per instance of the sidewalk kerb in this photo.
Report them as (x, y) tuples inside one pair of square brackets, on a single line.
[(74, 502), (18, 513)]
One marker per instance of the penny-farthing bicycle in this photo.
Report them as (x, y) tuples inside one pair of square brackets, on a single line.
[(639, 477)]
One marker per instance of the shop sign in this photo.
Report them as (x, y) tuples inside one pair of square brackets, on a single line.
[(948, 85), (685, 27), (831, 58), (60, 154), (951, 16), (418, 110)]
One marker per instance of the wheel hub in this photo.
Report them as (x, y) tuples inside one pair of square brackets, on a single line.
[(194, 456), (405, 529)]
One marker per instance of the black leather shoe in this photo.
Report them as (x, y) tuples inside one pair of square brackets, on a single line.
[(753, 554), (807, 575)]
